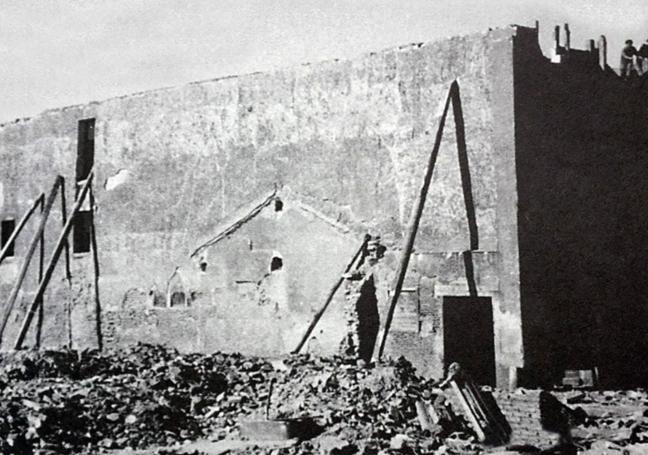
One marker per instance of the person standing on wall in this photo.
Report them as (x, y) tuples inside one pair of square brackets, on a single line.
[(627, 59), (642, 58)]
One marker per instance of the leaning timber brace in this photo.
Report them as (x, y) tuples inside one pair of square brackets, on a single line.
[(30, 253), (453, 97), (359, 254), (58, 249)]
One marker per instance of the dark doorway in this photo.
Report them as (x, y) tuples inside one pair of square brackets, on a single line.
[(468, 336), (368, 320)]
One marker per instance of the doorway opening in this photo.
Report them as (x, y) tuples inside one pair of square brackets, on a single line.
[(469, 336)]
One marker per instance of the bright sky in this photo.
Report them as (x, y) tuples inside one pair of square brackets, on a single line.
[(60, 52)]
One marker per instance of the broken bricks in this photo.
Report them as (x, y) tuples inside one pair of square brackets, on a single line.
[(68, 402)]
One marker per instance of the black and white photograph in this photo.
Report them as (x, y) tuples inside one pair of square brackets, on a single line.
[(323, 227)]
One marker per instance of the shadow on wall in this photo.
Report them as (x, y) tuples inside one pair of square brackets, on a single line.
[(582, 158), (368, 319)]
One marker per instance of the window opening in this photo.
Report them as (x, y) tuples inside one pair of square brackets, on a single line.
[(85, 149), (7, 229), (82, 232), (276, 264), (85, 161)]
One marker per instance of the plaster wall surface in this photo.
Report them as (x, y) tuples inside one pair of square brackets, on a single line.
[(351, 137)]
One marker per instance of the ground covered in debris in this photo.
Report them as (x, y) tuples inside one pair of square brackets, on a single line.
[(151, 396), (69, 402)]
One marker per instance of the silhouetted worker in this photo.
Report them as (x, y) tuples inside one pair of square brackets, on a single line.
[(627, 59), (642, 58)]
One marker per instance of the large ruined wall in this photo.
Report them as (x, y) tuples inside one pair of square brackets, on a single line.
[(582, 159), (352, 137)]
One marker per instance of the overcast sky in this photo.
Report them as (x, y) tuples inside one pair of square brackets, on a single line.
[(60, 52)]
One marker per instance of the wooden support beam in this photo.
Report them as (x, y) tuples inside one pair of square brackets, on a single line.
[(41, 259), (68, 273), (415, 220), (476, 424), (95, 262), (30, 252), (331, 294), (52, 262), (21, 225)]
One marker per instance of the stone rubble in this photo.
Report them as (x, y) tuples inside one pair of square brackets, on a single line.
[(71, 402), (152, 398)]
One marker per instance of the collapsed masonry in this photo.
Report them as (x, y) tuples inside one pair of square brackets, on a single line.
[(530, 257)]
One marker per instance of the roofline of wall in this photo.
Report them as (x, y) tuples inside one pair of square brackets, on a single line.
[(253, 209), (399, 48)]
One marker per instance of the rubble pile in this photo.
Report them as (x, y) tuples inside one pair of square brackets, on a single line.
[(66, 402), (71, 402), (363, 410), (616, 421), (153, 397)]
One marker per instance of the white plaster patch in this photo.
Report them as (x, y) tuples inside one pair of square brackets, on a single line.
[(122, 176), (508, 336)]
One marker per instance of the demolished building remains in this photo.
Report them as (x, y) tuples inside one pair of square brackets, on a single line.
[(222, 212)]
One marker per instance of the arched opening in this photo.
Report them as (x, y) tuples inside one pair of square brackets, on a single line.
[(177, 298), (176, 293)]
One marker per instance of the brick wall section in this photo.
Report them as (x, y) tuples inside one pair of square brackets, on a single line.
[(522, 411)]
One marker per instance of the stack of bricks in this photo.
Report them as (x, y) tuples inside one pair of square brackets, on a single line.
[(109, 324), (522, 411), (352, 291), (355, 284), (521, 408)]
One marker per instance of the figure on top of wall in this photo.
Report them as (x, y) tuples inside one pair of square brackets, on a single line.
[(642, 58), (627, 60)]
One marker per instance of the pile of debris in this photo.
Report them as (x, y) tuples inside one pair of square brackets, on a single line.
[(617, 421), (153, 397), (70, 402), (363, 410), (66, 402)]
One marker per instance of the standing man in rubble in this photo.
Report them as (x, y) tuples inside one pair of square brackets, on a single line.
[(642, 58), (627, 59)]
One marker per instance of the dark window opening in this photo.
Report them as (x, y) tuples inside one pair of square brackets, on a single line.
[(82, 232), (276, 264), (278, 205), (7, 229), (85, 161), (177, 299), (85, 149), (158, 298)]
